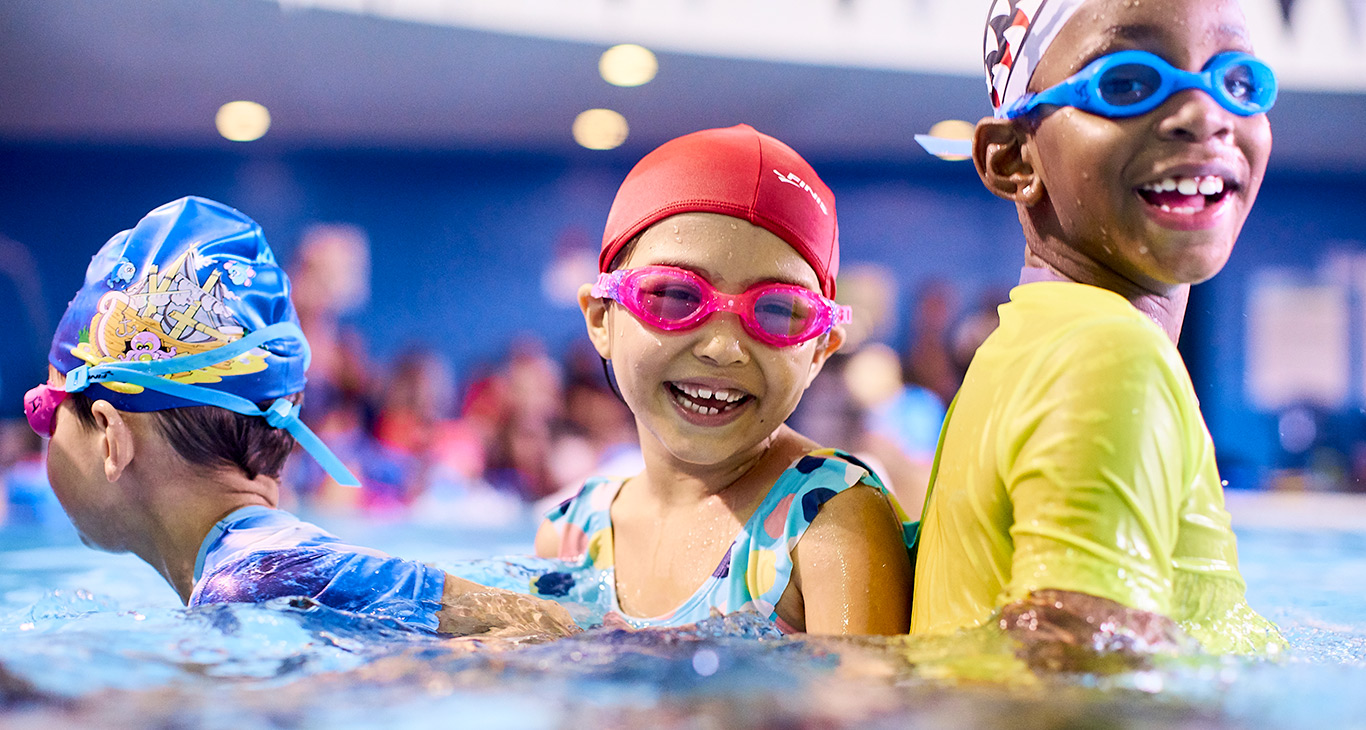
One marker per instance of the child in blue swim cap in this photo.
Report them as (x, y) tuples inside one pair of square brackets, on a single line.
[(172, 403)]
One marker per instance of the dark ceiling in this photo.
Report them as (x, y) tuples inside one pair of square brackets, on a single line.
[(153, 72)]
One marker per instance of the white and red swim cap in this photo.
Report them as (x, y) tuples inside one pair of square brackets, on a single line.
[(1018, 33)]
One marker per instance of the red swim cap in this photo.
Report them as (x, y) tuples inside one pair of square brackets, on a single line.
[(737, 172)]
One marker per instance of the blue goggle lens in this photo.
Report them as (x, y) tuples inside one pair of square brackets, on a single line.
[(1248, 84), (1128, 84)]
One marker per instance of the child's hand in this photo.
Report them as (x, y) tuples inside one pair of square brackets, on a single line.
[(1075, 632)]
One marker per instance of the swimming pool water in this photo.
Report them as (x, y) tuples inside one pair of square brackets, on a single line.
[(104, 640)]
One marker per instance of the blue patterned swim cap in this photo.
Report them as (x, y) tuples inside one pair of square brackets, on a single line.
[(189, 308), (190, 277)]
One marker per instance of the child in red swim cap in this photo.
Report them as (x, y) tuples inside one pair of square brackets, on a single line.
[(713, 306)]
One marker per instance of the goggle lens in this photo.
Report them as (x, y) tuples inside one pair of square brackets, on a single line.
[(668, 298), (1129, 83), (784, 313), (1248, 85)]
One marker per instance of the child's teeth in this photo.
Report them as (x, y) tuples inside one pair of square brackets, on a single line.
[(693, 393), (1210, 185), (730, 396)]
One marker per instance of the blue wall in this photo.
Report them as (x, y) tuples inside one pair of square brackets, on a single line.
[(460, 240)]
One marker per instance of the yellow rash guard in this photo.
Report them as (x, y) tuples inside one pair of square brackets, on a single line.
[(1075, 458)]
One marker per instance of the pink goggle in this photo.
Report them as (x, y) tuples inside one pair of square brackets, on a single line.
[(670, 298), (40, 408)]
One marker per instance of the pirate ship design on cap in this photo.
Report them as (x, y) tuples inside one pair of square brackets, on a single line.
[(168, 313), (193, 278)]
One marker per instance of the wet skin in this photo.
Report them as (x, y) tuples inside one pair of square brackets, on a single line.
[(1083, 183)]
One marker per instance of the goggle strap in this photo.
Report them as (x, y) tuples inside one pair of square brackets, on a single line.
[(188, 363), (840, 313), (606, 285), (315, 446), (280, 414)]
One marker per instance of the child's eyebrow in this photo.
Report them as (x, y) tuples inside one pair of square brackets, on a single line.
[(705, 274), (1145, 35)]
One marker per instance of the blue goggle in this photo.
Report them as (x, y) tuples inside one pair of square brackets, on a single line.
[(1130, 83)]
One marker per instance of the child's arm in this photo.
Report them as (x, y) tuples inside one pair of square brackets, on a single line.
[(1115, 505), (469, 608), (851, 569), (375, 584), (1076, 632)]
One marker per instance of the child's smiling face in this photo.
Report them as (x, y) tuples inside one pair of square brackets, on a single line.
[(1107, 182), (665, 376)]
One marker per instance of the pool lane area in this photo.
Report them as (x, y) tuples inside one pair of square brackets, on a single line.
[(96, 639)]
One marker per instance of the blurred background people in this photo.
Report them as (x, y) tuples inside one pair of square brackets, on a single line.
[(436, 179)]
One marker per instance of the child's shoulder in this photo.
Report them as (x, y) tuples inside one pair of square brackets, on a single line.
[(821, 475), (595, 495), (832, 466), (814, 479)]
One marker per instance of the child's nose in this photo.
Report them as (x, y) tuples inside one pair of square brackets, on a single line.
[(722, 340), (1195, 116)]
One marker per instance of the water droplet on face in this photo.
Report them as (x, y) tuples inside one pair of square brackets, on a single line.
[(1143, 250)]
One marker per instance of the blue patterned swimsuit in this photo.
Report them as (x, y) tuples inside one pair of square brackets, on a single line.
[(258, 553), (758, 566)]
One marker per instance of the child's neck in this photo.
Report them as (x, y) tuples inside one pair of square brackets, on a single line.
[(671, 481), (1167, 309), (181, 512)]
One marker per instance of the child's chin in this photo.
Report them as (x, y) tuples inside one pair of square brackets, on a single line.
[(1198, 263), (705, 451)]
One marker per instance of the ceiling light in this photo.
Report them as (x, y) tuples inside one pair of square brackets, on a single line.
[(242, 121), (600, 129), (628, 65)]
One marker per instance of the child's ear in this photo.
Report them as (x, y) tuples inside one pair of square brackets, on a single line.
[(115, 439), (1003, 157), (595, 317), (828, 344)]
